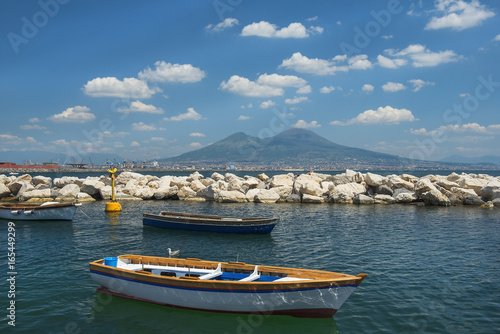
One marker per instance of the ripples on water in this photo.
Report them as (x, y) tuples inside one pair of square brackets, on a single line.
[(429, 269)]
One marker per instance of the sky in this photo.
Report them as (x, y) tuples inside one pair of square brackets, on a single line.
[(419, 79)]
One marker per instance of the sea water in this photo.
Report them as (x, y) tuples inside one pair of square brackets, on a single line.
[(430, 269)]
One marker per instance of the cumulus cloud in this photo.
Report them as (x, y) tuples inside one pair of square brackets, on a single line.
[(227, 23), (138, 106), (113, 87), (296, 100), (269, 30), (243, 118), (243, 86), (167, 72), (190, 115), (11, 140), (390, 63), (327, 90), (359, 62), (267, 104), (459, 129), (423, 57), (383, 115), (497, 38), (459, 15), (277, 80), (304, 90), (304, 125), (196, 134), (393, 87), (419, 84), (367, 88), (32, 127), (145, 127), (78, 114), (303, 64), (339, 63), (195, 145)]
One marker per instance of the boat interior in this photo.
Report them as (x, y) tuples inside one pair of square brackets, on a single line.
[(195, 269)]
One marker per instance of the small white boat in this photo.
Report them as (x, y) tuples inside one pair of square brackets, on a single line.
[(232, 287), (37, 211)]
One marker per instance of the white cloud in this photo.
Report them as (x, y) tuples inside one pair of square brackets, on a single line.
[(359, 62), (383, 115), (459, 15), (167, 72), (243, 118), (11, 140), (304, 125), (296, 100), (387, 36), (367, 88), (135, 144), (391, 63), (267, 104), (419, 84), (227, 23), (197, 134), (34, 120), (327, 90), (459, 129), (190, 115), (144, 127), (242, 86), (393, 87), (423, 57), (269, 30), (304, 90), (497, 38), (277, 80), (314, 18), (112, 87), (32, 127), (138, 106), (303, 64), (78, 114), (195, 145)]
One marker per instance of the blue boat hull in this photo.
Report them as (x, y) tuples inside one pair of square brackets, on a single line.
[(254, 228)]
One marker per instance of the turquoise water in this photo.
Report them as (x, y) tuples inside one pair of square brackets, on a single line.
[(430, 269)]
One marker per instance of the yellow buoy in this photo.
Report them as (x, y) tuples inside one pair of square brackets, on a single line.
[(113, 206)]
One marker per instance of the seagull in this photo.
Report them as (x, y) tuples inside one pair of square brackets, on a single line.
[(170, 253)]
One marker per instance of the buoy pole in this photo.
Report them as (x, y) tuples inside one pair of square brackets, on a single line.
[(113, 206)]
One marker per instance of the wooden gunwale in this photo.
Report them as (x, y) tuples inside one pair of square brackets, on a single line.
[(31, 206), (317, 278), (190, 216)]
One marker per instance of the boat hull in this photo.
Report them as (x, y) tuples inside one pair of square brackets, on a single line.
[(181, 223), (38, 212), (312, 299)]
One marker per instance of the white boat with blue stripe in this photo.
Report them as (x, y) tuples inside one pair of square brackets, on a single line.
[(232, 287)]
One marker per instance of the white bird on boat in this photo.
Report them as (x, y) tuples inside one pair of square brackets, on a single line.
[(173, 253)]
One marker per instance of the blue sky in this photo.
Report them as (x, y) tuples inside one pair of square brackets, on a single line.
[(418, 79)]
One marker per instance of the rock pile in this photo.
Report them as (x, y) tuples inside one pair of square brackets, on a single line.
[(348, 187)]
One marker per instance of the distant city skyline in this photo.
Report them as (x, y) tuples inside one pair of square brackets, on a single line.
[(410, 78)]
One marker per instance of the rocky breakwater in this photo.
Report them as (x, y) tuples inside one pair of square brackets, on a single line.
[(348, 187)]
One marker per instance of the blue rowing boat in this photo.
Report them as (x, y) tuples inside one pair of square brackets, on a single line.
[(209, 223)]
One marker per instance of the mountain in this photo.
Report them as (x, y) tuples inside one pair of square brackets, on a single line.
[(20, 157), (292, 147), (486, 159)]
